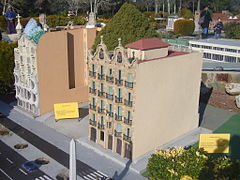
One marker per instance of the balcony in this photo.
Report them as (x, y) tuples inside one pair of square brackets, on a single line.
[(127, 121), (109, 113), (118, 134), (109, 96), (101, 110), (118, 99), (101, 94), (101, 76), (128, 103), (129, 84), (92, 107), (92, 91), (92, 74), (92, 122), (109, 79), (101, 126), (118, 82), (118, 118), (126, 138)]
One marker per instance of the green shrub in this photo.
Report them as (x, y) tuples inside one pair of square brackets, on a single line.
[(176, 163), (186, 13), (184, 27), (3, 23), (6, 66), (60, 20), (232, 30), (129, 24)]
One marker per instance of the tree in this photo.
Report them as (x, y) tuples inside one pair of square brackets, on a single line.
[(129, 24)]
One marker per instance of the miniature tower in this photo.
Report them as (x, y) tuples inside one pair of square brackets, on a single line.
[(91, 20), (19, 26)]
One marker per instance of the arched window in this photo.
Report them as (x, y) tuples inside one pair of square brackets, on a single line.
[(101, 54), (119, 57)]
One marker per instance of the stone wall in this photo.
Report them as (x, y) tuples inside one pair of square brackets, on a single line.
[(218, 79)]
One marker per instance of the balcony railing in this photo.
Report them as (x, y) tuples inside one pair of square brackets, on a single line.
[(118, 82), (92, 91), (92, 122), (109, 79), (109, 113), (101, 126), (101, 93), (127, 121), (118, 133), (92, 74), (101, 110), (101, 76), (118, 99), (118, 118), (126, 138), (109, 96), (128, 103), (92, 107), (129, 84)]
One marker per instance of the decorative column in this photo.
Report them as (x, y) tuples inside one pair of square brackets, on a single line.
[(19, 26)]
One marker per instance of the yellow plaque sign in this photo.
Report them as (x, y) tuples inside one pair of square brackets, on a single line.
[(66, 110), (215, 143)]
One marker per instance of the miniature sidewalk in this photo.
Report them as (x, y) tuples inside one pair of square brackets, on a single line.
[(93, 154)]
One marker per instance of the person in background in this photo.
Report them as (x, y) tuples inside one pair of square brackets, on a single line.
[(218, 29), (205, 18), (11, 17)]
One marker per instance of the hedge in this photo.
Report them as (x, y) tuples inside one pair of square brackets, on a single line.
[(191, 164), (232, 30), (184, 27), (59, 20), (6, 66)]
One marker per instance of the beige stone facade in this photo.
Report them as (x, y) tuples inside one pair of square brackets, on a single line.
[(138, 103)]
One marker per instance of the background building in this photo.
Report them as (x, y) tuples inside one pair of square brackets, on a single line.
[(222, 50), (52, 71), (143, 96)]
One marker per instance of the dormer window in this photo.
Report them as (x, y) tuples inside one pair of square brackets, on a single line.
[(119, 57), (101, 54)]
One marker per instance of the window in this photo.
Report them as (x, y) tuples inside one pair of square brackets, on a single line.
[(195, 45), (130, 77), (110, 108), (239, 60), (218, 48), (128, 132), (206, 47), (93, 117), (119, 57), (230, 59), (207, 55), (93, 84), (101, 87), (119, 92), (119, 112), (101, 54), (129, 96), (102, 120), (110, 90), (93, 68), (119, 74), (93, 101), (102, 104), (217, 57), (231, 50), (129, 115), (101, 70), (102, 136), (119, 127), (110, 72)]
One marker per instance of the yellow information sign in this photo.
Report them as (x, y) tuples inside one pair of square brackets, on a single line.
[(66, 110), (215, 143)]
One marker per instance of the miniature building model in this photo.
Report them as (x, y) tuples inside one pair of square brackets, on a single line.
[(221, 50), (52, 71), (143, 96)]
